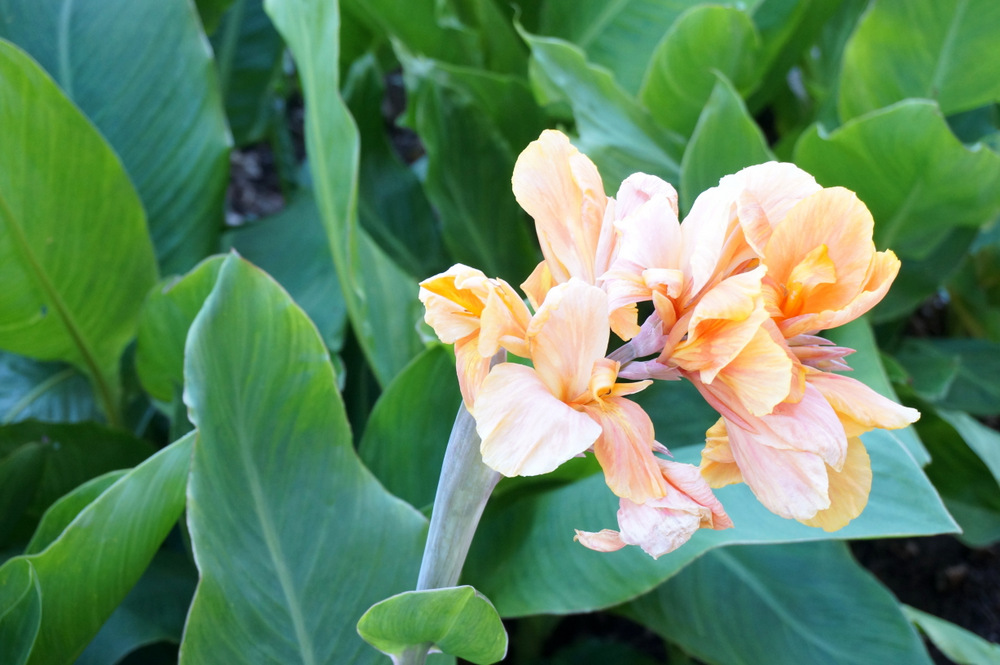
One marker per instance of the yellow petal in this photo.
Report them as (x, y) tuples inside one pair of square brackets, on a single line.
[(849, 489), (562, 190), (525, 430), (538, 284), (718, 467), (761, 375), (454, 300), (625, 449), (567, 335), (504, 321)]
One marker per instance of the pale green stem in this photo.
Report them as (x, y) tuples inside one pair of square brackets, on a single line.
[(463, 490)]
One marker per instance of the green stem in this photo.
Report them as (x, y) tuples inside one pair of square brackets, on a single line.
[(463, 490)]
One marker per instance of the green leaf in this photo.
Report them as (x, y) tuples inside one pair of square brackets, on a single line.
[(959, 645), (70, 218), (702, 43), (20, 474), (72, 454), (916, 177), (614, 130), (381, 299), (211, 12), (248, 56), (154, 611), (408, 430), (786, 605), (458, 620), (152, 91), (392, 205), (62, 513), (163, 324), (525, 560), (292, 247), (482, 224), (619, 36), (868, 368), (962, 374), (939, 49), (725, 140), (86, 572), (276, 485), (55, 392), (20, 610)]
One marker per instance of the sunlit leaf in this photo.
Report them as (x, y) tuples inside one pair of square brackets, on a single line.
[(959, 645)]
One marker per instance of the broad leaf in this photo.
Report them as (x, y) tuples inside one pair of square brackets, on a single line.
[(725, 140), (153, 93), (62, 513), (470, 162), (459, 621), (953, 373), (917, 179), (20, 475), (248, 55), (381, 299), (70, 218), (787, 605), (614, 130), (292, 247), (938, 49), (682, 72), (959, 645), (55, 392), (276, 485), (408, 430), (87, 571), (20, 611), (524, 558)]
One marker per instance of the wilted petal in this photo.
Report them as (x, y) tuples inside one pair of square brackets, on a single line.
[(849, 489), (605, 540), (567, 335), (562, 190), (625, 449), (525, 430)]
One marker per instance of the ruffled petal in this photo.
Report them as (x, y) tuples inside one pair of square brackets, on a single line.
[(562, 190), (860, 408), (525, 430), (567, 335), (718, 467), (625, 449), (504, 321), (454, 301), (761, 376), (768, 192), (849, 489)]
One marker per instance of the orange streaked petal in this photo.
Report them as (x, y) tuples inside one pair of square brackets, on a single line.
[(567, 335), (849, 489), (504, 321), (860, 408), (761, 375), (525, 430), (562, 190), (471, 367), (625, 449)]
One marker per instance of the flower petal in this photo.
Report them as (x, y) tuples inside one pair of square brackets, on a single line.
[(567, 335), (761, 376), (525, 430), (769, 191), (471, 367), (718, 467), (625, 449), (860, 408), (605, 540), (849, 489)]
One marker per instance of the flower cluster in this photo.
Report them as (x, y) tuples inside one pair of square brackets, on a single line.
[(739, 292)]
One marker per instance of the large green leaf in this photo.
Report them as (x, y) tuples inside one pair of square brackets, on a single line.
[(87, 571), (614, 130), (915, 176), (68, 454), (20, 611), (43, 391), (959, 645), (143, 75), (381, 299), (786, 605), (682, 72), (61, 513), (458, 620), (953, 373), (392, 205), (292, 247), (248, 55), (408, 430), (939, 49), (70, 218), (725, 140), (524, 558), (276, 485), (470, 162), (619, 35)]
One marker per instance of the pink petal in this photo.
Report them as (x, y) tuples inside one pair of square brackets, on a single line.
[(525, 430), (625, 449), (859, 407), (605, 540)]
